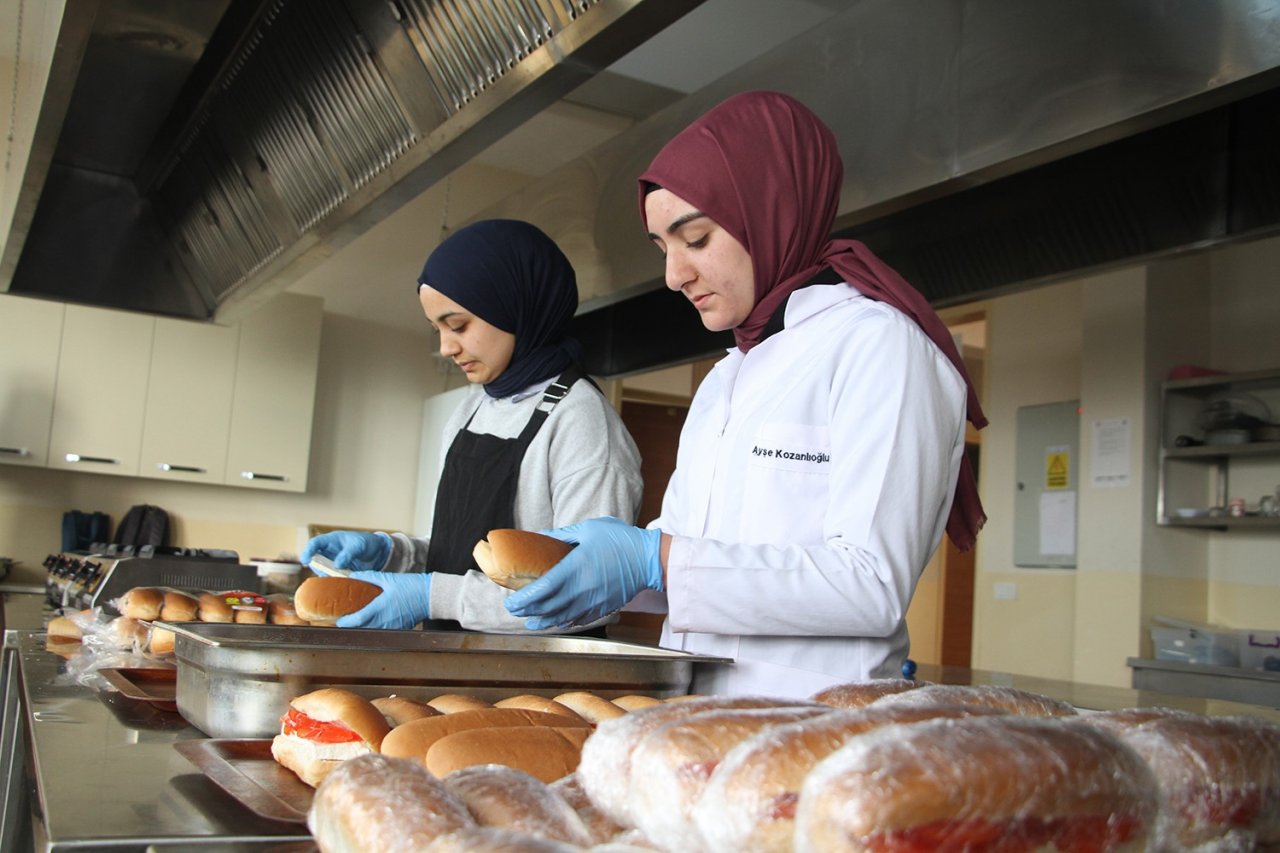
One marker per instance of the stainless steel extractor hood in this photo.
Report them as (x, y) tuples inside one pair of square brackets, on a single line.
[(193, 157)]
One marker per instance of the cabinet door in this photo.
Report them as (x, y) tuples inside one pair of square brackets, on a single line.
[(102, 391), (188, 414), (30, 338), (274, 397)]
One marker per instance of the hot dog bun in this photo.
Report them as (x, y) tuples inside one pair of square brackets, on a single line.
[(749, 803), (671, 764), (956, 783), (532, 702), (589, 706), (141, 602), (311, 758), (1008, 699), (214, 608), (160, 641), (1219, 777), (859, 694), (452, 703), (413, 739), (605, 768), (374, 802), (513, 558), (497, 795), (321, 600), (281, 610), (178, 607), (63, 628), (401, 709), (547, 753)]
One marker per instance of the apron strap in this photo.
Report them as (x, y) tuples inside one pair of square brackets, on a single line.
[(555, 392)]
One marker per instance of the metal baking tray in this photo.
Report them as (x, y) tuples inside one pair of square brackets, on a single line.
[(236, 681)]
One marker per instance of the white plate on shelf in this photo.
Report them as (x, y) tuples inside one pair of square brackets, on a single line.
[(1190, 512)]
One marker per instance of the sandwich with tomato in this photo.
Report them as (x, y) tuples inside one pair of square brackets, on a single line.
[(324, 728)]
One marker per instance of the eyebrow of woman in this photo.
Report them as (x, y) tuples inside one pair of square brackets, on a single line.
[(679, 222)]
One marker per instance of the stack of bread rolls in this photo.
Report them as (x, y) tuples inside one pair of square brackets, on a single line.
[(856, 767)]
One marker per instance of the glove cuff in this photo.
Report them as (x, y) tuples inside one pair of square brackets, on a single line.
[(653, 559)]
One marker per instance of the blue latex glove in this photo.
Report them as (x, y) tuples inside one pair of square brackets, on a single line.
[(350, 550), (612, 564), (405, 601)]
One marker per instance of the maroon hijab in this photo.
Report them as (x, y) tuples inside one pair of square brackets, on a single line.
[(768, 171)]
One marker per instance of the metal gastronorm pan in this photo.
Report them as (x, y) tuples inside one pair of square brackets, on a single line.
[(235, 680)]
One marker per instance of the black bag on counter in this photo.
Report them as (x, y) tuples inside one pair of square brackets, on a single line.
[(83, 529), (143, 525)]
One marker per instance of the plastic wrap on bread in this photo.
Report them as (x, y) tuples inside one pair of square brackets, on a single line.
[(670, 766), (497, 795), (1008, 699), (496, 839), (961, 784), (749, 803), (1219, 777), (375, 802), (859, 694), (605, 767)]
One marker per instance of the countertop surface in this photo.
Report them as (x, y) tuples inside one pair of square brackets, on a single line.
[(108, 775)]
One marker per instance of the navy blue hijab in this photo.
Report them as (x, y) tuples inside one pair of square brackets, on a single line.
[(511, 275)]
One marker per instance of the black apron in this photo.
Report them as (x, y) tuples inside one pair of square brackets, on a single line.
[(477, 489)]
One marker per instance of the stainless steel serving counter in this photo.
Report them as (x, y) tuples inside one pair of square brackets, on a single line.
[(102, 773)]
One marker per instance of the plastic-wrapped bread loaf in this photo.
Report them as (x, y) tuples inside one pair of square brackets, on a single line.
[(598, 824), (859, 694), (374, 802), (1219, 777), (1008, 699), (496, 839), (605, 766), (671, 764), (512, 799), (961, 784), (749, 802)]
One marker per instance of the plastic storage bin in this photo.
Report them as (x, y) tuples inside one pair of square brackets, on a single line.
[(1195, 644)]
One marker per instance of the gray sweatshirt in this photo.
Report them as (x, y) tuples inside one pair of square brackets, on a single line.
[(581, 464)]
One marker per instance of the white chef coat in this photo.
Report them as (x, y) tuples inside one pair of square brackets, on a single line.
[(813, 482)]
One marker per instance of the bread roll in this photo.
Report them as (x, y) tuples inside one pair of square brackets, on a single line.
[(589, 706), (251, 614), (322, 600), (605, 767), (970, 783), (1218, 777), (749, 803), (452, 703), (374, 802), (598, 825), (502, 796), (670, 766), (125, 632), (63, 628), (636, 702), (325, 728), (64, 647), (178, 607), (160, 641), (495, 839), (1008, 699), (281, 610), (213, 607), (547, 753), (141, 602), (859, 694), (413, 738), (402, 709), (530, 702), (514, 558)]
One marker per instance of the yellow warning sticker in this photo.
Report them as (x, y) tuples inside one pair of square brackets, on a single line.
[(1057, 468)]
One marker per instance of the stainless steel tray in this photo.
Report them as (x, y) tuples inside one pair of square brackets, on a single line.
[(235, 681)]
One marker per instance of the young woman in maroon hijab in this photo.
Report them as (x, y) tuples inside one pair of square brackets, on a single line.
[(822, 458)]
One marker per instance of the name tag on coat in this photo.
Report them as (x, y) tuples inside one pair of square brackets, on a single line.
[(798, 448)]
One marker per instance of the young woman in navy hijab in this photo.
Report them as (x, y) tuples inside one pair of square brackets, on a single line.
[(822, 458), (534, 446)]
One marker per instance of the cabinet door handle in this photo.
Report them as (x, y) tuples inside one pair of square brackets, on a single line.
[(190, 469), (254, 475), (76, 457), (15, 451)]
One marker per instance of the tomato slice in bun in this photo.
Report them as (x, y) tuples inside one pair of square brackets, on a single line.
[(297, 723)]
